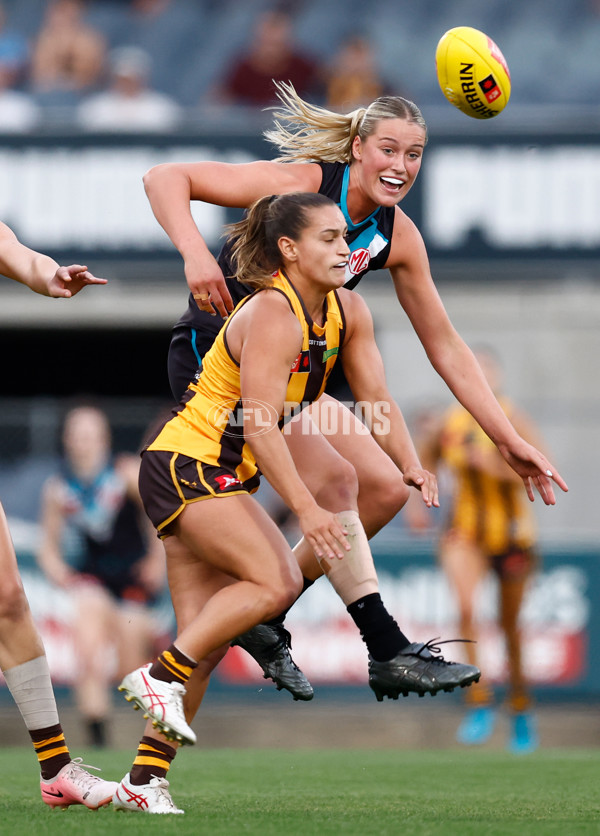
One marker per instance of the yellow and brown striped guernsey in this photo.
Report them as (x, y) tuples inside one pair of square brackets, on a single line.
[(492, 512), (208, 424)]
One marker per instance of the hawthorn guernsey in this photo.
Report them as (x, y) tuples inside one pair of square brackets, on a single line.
[(472, 72)]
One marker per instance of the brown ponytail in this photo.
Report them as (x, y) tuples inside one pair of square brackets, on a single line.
[(254, 240)]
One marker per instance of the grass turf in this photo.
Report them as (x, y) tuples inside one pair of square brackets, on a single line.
[(332, 793)]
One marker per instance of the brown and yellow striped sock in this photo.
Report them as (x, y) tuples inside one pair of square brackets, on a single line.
[(173, 666), (51, 749), (153, 759)]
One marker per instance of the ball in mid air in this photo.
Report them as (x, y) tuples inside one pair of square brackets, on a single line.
[(472, 72)]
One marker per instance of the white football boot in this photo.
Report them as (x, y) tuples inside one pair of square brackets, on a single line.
[(147, 798), (162, 702)]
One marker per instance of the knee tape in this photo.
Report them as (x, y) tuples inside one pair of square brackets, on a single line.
[(354, 575)]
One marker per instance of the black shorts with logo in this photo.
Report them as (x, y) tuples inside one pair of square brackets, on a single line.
[(170, 481)]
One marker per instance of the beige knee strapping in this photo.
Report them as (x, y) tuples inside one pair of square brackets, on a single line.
[(354, 575)]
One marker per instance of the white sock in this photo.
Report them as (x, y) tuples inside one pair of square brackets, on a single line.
[(31, 689)]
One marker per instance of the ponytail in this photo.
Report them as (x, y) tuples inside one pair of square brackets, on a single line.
[(255, 239)]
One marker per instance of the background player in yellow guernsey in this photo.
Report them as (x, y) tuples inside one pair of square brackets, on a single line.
[(489, 527)]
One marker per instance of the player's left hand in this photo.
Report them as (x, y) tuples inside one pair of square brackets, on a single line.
[(67, 281), (424, 481), (534, 469)]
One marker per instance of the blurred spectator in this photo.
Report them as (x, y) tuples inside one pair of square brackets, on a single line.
[(14, 52), (129, 104), (272, 55), (353, 79), (121, 567), (18, 111), (150, 7), (68, 55)]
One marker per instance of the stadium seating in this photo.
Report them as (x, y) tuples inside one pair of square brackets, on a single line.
[(193, 41)]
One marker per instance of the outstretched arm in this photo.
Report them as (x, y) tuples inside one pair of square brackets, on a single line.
[(456, 363), (40, 272)]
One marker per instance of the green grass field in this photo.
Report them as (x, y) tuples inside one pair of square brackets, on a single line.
[(333, 792)]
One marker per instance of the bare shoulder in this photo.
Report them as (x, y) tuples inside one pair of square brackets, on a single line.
[(270, 299), (268, 311), (356, 310), (353, 303), (265, 327), (407, 240)]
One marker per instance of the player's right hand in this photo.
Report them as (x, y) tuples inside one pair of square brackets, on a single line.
[(207, 285), (324, 533)]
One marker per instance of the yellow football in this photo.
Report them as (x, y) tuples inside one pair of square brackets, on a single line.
[(472, 72)]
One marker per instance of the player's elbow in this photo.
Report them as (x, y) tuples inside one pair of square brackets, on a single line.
[(155, 177)]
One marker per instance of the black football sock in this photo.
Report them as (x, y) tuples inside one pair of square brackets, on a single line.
[(379, 631), (279, 619)]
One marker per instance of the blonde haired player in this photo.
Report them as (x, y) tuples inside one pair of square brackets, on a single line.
[(22, 657), (366, 161)]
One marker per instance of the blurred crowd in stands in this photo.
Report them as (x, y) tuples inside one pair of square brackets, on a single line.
[(128, 65)]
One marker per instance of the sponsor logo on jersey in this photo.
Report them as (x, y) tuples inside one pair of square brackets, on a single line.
[(225, 482), (330, 352), (490, 88), (359, 260), (301, 363)]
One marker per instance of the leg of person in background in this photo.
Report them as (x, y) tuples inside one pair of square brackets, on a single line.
[(102, 621), (23, 662), (137, 635), (94, 628), (466, 566), (514, 575)]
